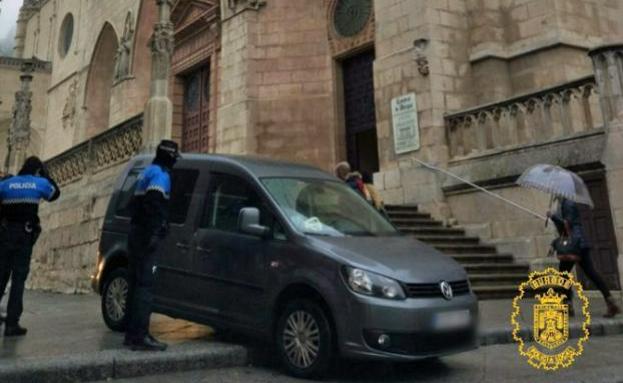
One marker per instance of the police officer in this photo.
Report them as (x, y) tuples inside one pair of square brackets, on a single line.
[(4, 278), (149, 226), (19, 229)]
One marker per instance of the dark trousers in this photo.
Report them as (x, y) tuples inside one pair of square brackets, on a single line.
[(142, 260), (586, 264), (15, 253)]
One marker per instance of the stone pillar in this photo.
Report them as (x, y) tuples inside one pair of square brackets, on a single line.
[(25, 12), (608, 66), (19, 132), (158, 118)]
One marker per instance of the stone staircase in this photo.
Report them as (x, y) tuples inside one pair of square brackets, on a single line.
[(492, 275)]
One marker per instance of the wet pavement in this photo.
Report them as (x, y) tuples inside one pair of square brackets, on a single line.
[(61, 324), (600, 363), (68, 330)]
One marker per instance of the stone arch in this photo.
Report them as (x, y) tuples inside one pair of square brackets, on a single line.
[(100, 81)]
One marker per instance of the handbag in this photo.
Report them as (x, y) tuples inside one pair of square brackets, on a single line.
[(567, 246)]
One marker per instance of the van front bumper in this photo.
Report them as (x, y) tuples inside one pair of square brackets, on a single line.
[(375, 328)]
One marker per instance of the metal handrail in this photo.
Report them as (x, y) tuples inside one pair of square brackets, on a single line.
[(487, 192)]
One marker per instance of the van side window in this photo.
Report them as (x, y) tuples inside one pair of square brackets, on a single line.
[(125, 194), (227, 195), (182, 187)]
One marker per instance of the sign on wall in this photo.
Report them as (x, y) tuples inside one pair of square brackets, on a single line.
[(405, 123)]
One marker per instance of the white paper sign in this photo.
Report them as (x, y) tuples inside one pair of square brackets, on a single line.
[(405, 124)]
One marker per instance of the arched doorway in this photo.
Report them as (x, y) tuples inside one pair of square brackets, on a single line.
[(99, 81)]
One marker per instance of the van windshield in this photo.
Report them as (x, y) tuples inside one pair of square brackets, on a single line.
[(329, 208)]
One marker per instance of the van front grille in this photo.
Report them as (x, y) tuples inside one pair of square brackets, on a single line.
[(433, 290)]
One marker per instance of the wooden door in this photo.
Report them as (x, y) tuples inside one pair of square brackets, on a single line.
[(360, 113), (195, 131), (599, 229)]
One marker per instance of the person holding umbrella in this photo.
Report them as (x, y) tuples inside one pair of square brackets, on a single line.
[(568, 189)]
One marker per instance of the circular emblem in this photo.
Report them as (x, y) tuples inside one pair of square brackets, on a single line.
[(548, 346), (446, 290), (351, 16)]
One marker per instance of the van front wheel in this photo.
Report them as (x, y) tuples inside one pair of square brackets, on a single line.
[(304, 339), (114, 299)]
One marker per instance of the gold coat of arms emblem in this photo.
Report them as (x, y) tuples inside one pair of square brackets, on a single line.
[(549, 347)]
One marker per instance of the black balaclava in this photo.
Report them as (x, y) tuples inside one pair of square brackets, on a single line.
[(32, 166), (167, 154)]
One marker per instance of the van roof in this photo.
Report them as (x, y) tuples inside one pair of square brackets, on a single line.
[(257, 166)]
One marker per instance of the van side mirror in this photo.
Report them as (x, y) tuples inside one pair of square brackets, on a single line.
[(249, 222)]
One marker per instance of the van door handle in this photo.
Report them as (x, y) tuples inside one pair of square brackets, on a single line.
[(204, 250), (182, 246)]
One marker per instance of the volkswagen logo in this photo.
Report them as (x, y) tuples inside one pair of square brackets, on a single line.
[(446, 290)]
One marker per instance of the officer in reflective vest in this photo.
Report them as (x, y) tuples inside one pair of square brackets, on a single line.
[(19, 229), (150, 222)]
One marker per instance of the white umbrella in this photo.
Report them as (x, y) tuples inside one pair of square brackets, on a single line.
[(557, 182)]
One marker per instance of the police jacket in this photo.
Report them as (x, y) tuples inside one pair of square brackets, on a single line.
[(20, 197), (151, 200), (569, 213)]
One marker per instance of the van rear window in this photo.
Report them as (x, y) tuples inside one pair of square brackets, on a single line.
[(182, 188), (126, 193)]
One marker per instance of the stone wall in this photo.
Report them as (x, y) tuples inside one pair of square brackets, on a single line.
[(66, 253), (66, 119)]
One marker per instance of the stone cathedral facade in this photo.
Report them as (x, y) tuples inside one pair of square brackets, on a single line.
[(482, 88)]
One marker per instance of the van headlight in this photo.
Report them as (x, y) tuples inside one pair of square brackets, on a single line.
[(367, 283)]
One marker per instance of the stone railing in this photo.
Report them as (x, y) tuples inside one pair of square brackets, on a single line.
[(550, 114), (37, 65), (109, 148)]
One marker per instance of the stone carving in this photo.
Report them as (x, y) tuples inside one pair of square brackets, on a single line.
[(608, 68), (237, 5), (20, 130), (546, 115), (162, 45), (124, 51), (69, 110), (112, 147)]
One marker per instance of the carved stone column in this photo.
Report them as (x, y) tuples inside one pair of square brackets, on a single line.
[(25, 12), (19, 132), (159, 109), (608, 66)]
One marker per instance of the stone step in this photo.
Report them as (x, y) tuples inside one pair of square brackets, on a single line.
[(417, 222), (500, 268), (407, 218), (448, 239), (405, 215), (433, 230), (466, 259), (398, 208), (496, 292), (465, 249), (497, 279)]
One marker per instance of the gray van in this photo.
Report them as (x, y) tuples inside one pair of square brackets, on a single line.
[(292, 255)]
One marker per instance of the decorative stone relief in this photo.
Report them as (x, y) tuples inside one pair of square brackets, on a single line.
[(162, 45), (114, 146), (351, 25), (234, 7), (69, 110), (124, 51)]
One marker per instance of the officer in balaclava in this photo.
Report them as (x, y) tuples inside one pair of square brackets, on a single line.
[(4, 278), (19, 229), (149, 226)]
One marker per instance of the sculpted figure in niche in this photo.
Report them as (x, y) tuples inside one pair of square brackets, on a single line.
[(69, 110), (122, 66)]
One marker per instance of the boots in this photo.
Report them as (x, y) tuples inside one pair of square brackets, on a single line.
[(613, 309), (14, 330)]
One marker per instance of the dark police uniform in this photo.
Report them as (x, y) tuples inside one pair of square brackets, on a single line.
[(19, 229), (149, 226)]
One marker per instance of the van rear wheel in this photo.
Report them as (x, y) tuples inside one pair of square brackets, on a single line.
[(304, 339), (114, 299)]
